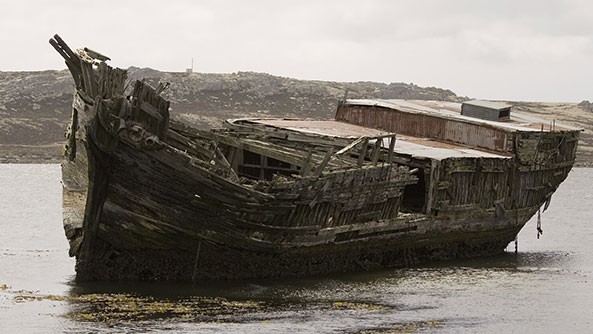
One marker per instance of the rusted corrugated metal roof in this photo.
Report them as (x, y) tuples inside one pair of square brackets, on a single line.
[(330, 128), (488, 104), (427, 148), (413, 146), (452, 110)]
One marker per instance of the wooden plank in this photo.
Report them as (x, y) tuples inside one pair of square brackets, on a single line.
[(285, 154), (307, 164), (324, 163), (376, 150), (151, 110), (76, 75), (363, 151), (350, 146), (189, 143), (391, 148), (99, 170), (221, 158), (60, 50), (65, 47), (90, 84)]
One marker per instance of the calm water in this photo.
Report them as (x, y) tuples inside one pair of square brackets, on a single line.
[(546, 288)]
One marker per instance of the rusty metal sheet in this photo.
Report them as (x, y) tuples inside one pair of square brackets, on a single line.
[(331, 128), (427, 148)]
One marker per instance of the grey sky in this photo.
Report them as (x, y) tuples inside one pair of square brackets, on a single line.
[(518, 50)]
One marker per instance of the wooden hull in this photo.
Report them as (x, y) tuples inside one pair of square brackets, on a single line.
[(215, 262), (161, 231), (135, 246)]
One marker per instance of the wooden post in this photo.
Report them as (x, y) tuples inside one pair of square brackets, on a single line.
[(324, 163), (376, 150), (363, 151), (193, 276), (307, 165), (220, 157), (71, 136), (391, 148)]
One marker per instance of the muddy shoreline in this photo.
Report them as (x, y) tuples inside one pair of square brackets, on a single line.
[(31, 154)]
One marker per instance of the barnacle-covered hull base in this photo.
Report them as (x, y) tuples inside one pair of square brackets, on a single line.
[(146, 197)]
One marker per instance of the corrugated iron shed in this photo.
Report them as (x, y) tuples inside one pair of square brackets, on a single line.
[(452, 111)]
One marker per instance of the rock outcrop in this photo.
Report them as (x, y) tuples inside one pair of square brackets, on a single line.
[(585, 104)]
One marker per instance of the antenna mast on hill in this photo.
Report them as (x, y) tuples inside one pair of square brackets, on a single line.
[(191, 69)]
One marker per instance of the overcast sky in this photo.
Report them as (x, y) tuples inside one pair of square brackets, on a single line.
[(533, 50)]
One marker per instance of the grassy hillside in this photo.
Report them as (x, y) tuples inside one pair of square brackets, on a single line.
[(35, 106)]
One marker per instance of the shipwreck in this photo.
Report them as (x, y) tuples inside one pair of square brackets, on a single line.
[(386, 183)]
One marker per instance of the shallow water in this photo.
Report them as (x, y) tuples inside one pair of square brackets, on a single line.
[(546, 288)]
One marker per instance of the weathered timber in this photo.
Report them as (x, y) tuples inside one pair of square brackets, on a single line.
[(147, 197)]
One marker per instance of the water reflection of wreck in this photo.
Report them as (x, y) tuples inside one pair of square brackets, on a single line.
[(146, 197)]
